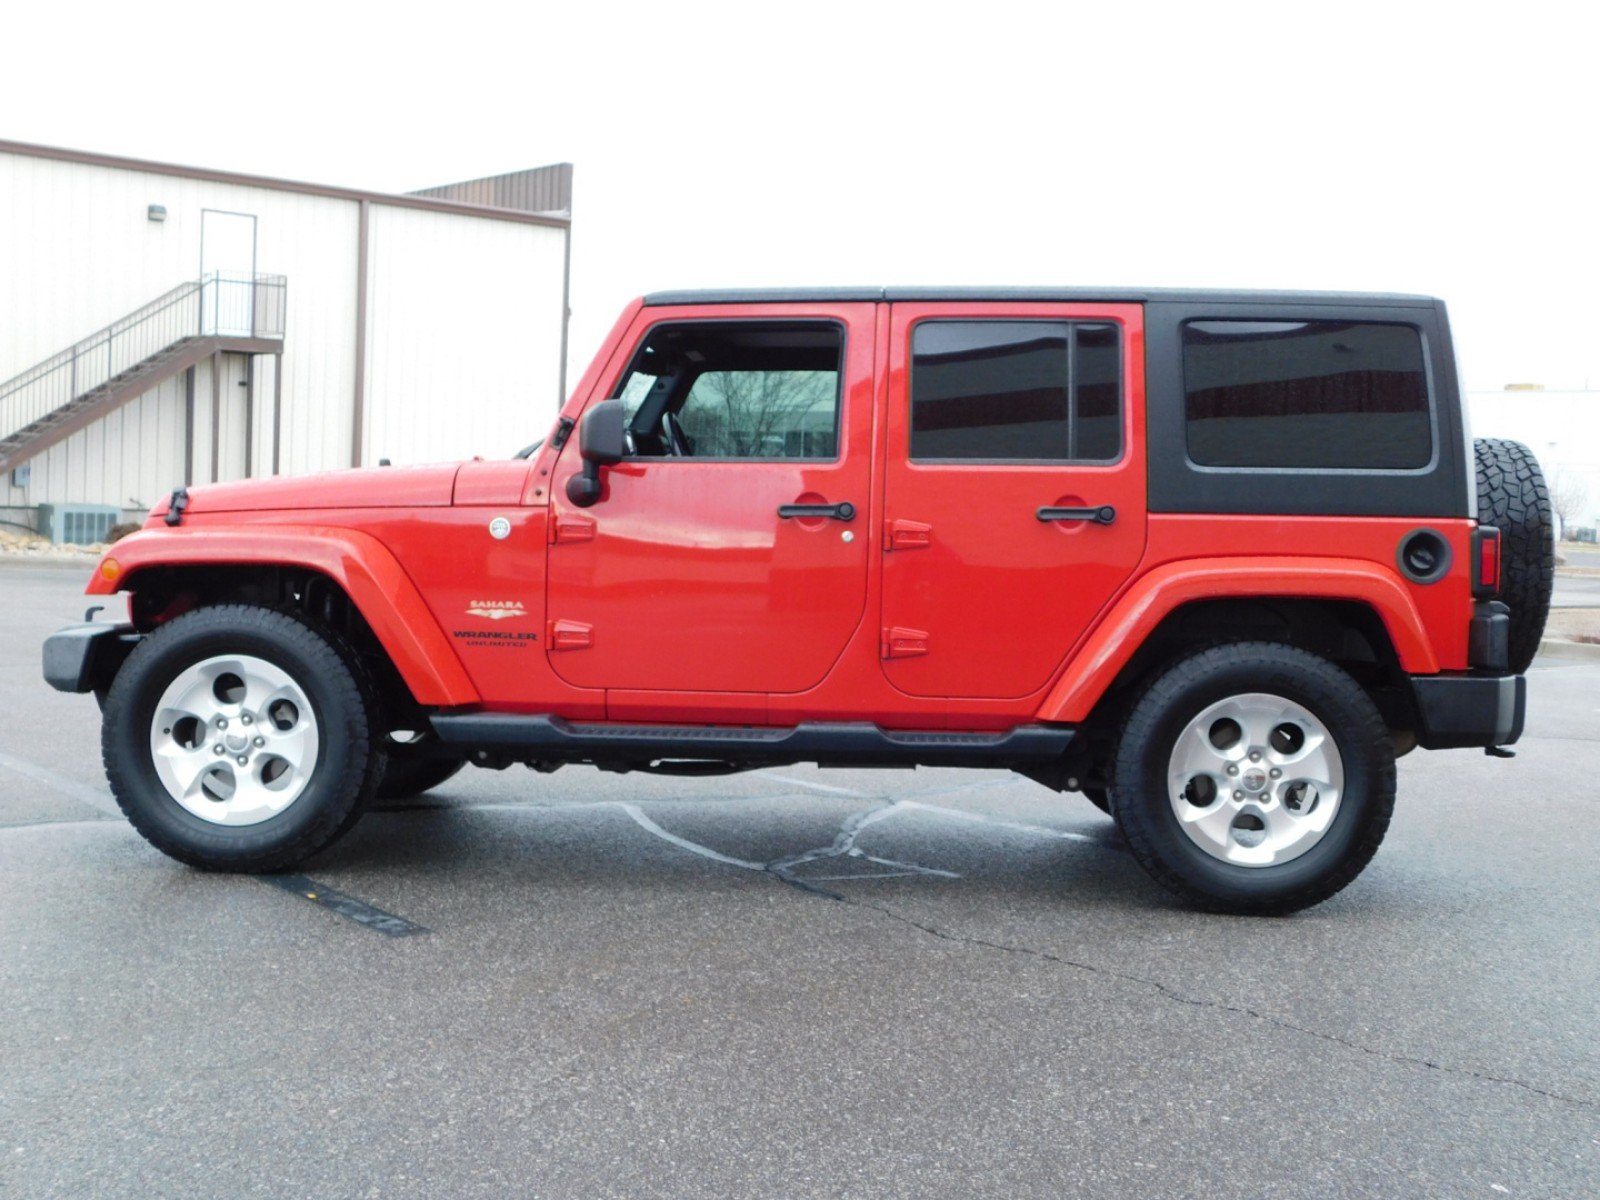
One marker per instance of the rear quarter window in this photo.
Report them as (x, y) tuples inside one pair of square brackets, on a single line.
[(1309, 394)]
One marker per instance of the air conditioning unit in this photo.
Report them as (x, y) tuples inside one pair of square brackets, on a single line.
[(76, 524)]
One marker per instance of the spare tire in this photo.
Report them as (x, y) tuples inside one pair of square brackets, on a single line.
[(1513, 498)]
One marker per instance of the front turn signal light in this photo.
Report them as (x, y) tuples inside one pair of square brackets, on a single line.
[(110, 569)]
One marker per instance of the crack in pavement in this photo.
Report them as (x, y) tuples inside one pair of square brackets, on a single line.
[(99, 800), (844, 844), (47, 822), (1178, 997)]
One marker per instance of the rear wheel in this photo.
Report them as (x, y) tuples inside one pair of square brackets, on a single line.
[(1254, 778), (238, 738)]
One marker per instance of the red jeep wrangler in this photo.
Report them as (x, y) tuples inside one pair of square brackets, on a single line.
[(1213, 559)]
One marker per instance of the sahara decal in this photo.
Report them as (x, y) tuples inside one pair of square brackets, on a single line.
[(496, 610)]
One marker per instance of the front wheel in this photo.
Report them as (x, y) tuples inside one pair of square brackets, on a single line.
[(238, 738), (1254, 778)]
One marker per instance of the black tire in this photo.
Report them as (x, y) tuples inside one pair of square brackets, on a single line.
[(1513, 497), (346, 765), (1139, 789), (409, 775)]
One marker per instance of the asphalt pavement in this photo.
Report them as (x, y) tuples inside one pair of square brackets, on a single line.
[(789, 983)]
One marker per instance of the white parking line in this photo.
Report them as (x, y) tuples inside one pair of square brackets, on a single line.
[(651, 827), (1038, 830), (806, 783)]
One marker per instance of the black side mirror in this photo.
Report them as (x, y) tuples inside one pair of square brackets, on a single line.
[(602, 440)]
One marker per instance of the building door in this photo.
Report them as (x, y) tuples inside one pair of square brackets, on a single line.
[(1014, 489), (695, 572), (233, 433), (227, 273)]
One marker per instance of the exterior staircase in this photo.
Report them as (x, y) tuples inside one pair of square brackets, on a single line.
[(216, 314)]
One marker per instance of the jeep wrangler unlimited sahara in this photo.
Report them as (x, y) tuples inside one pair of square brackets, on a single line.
[(1213, 559)]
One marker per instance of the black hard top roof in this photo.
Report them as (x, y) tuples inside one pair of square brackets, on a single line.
[(1061, 295)]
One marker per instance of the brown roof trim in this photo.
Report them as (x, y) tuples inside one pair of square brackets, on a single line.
[(281, 185)]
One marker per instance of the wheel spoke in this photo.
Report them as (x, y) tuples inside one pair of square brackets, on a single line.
[(1200, 757), (252, 800), (297, 747), (1212, 825), (1259, 719), (186, 766)]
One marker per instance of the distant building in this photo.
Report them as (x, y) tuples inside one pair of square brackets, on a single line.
[(164, 325)]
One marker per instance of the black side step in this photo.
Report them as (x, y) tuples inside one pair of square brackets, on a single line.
[(834, 743)]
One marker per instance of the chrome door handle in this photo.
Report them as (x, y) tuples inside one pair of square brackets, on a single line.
[(1100, 514)]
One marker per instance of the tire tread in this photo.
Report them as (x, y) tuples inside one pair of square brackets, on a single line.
[(1514, 498)]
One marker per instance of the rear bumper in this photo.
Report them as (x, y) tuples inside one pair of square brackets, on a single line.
[(81, 658), (1469, 710)]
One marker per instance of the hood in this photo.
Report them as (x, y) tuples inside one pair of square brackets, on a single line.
[(365, 487)]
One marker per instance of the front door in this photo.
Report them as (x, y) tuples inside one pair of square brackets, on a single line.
[(1014, 490), (227, 273), (719, 558)]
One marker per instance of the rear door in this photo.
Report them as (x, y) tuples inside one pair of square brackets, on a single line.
[(1014, 489)]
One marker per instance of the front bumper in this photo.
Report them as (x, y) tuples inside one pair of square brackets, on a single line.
[(1469, 710), (86, 657)]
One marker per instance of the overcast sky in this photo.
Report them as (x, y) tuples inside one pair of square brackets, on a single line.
[(1440, 148)]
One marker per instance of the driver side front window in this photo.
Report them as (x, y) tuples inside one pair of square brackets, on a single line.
[(745, 390)]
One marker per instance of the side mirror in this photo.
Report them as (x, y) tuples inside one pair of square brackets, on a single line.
[(602, 440)]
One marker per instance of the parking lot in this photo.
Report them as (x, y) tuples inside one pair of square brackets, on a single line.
[(789, 983)]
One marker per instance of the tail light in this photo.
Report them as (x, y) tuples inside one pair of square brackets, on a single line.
[(1485, 562)]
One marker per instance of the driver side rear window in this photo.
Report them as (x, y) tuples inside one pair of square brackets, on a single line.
[(1308, 394), (736, 390), (1016, 391)]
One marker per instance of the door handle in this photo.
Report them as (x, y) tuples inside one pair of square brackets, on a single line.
[(1100, 514), (843, 511)]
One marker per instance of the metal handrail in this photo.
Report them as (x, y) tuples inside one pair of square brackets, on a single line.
[(216, 305)]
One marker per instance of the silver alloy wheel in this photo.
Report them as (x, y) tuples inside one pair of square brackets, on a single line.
[(1255, 780), (234, 739)]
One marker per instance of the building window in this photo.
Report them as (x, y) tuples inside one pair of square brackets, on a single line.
[(1311, 394), (1016, 391)]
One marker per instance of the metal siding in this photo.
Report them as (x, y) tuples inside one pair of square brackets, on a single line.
[(130, 458), (464, 335), (539, 190)]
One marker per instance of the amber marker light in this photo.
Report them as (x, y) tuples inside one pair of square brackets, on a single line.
[(109, 570)]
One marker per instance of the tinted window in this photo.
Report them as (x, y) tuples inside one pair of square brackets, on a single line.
[(1306, 394), (748, 389), (1016, 390)]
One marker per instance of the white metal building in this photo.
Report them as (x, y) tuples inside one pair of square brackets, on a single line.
[(164, 325)]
